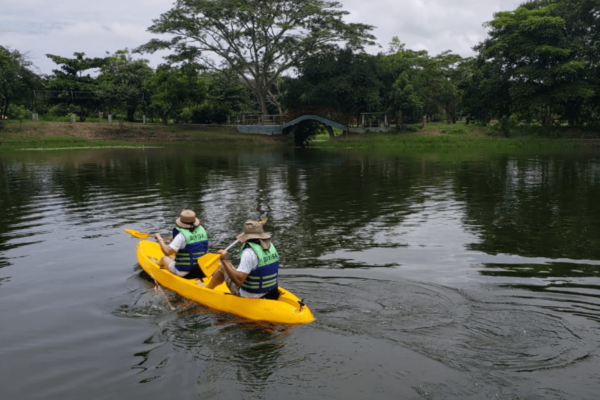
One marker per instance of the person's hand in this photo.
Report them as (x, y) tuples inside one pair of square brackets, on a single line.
[(157, 237), (223, 254)]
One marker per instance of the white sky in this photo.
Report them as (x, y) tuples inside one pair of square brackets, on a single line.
[(63, 27)]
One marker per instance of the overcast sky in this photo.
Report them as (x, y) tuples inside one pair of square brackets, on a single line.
[(63, 27)]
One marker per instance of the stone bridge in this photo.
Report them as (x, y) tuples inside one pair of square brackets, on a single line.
[(287, 124)]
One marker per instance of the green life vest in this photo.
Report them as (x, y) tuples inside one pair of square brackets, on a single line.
[(264, 277), (196, 246)]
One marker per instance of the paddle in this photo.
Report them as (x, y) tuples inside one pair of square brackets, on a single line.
[(161, 291), (143, 235), (139, 235), (208, 263)]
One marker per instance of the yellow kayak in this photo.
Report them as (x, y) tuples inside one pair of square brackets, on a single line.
[(288, 309)]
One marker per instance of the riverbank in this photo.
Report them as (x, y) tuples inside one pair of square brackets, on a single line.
[(29, 134), (53, 135), (462, 136)]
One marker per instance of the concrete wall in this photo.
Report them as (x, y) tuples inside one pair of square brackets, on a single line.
[(260, 129), (374, 130)]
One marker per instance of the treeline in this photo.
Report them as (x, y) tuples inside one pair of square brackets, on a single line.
[(119, 85), (402, 82), (539, 65)]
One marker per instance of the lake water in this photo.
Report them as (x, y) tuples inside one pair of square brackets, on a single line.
[(434, 275)]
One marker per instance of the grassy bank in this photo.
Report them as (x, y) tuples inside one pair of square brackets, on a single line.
[(53, 135), (62, 142), (462, 136), (29, 134)]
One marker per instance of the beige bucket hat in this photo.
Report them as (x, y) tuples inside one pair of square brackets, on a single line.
[(253, 230), (187, 219)]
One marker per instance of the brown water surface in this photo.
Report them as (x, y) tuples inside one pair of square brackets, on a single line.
[(448, 275)]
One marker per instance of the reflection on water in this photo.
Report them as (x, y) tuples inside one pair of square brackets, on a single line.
[(446, 275)]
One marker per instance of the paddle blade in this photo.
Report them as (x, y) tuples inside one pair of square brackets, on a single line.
[(209, 263), (139, 235)]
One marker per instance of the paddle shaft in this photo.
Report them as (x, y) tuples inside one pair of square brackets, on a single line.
[(231, 245), (161, 291)]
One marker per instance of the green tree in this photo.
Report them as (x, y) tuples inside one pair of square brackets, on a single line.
[(582, 28), (121, 82), (77, 86), (175, 88), (417, 83), (448, 77), (405, 81), (338, 78), (532, 48), (404, 99), (258, 40), (225, 98), (484, 94), (16, 79)]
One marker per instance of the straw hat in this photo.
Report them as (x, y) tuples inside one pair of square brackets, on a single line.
[(187, 219), (252, 230)]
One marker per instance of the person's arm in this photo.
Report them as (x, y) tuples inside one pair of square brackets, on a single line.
[(165, 249), (236, 276)]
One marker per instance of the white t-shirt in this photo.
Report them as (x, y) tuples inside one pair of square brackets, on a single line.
[(178, 242), (248, 263)]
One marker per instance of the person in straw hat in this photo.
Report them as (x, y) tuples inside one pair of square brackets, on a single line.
[(256, 276), (190, 242)]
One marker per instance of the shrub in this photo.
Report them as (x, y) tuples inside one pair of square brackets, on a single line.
[(17, 112), (412, 128), (63, 110), (453, 131), (210, 113)]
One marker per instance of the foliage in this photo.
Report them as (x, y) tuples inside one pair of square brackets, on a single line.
[(537, 63), (306, 131), (422, 85), (225, 98), (485, 94), (174, 89), (258, 40), (16, 79), (76, 85), (62, 110), (17, 112), (539, 66), (404, 97), (411, 83), (340, 79), (121, 82)]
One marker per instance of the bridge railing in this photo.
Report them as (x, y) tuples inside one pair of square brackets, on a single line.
[(259, 119), (341, 117)]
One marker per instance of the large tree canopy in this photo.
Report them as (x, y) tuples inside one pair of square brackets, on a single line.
[(258, 40), (121, 82), (174, 88), (402, 82), (545, 54), (340, 79)]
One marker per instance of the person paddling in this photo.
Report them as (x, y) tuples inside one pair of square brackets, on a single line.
[(256, 276), (190, 242)]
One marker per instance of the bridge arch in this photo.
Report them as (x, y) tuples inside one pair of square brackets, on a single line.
[(290, 127), (326, 116)]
